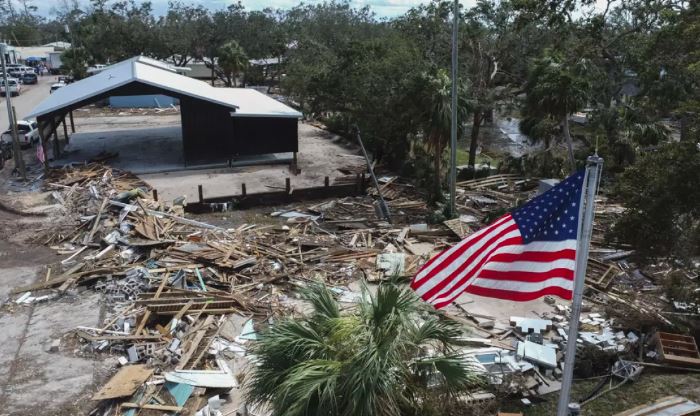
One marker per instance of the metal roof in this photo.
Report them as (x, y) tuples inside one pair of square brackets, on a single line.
[(160, 74), (253, 103)]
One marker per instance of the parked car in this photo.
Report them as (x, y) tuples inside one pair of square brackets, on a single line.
[(30, 78), (27, 132), (14, 87), (56, 86), (66, 79), (19, 71)]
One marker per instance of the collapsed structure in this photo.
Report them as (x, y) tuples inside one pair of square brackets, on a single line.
[(186, 297)]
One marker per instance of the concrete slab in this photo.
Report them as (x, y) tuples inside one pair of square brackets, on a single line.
[(141, 150), (538, 354), (500, 309), (36, 378), (320, 154), (13, 277)]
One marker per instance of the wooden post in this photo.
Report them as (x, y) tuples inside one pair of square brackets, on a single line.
[(155, 195), (65, 130), (326, 181), (56, 146), (243, 190), (72, 123), (42, 143), (201, 193), (287, 185)]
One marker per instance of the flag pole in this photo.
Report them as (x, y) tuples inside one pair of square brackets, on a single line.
[(453, 120), (594, 166)]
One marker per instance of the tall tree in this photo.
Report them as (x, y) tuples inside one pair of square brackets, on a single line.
[(556, 89), (184, 33), (231, 61), (436, 116)]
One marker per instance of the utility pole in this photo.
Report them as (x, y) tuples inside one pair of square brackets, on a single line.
[(19, 162), (453, 127)]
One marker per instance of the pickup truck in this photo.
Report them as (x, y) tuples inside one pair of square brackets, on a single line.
[(14, 87), (27, 132)]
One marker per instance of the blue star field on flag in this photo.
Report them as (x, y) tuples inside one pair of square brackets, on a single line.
[(552, 216)]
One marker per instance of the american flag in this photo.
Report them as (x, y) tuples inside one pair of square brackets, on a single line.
[(523, 255)]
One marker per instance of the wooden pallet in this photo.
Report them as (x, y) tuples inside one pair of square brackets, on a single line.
[(678, 349)]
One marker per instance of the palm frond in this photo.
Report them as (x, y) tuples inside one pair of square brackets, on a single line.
[(446, 332), (322, 301), (449, 372), (308, 388)]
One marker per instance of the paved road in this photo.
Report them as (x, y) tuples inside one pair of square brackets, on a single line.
[(30, 97)]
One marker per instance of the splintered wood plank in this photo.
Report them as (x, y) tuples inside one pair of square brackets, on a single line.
[(124, 383)]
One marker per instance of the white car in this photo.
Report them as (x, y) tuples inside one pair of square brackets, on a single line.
[(56, 86), (27, 132), (14, 86)]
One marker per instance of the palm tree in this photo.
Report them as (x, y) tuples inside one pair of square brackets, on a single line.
[(388, 357), (436, 116), (232, 60), (556, 90)]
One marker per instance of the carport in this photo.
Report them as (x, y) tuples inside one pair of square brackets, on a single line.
[(218, 124)]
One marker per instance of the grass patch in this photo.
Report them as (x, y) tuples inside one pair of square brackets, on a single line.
[(651, 386), (463, 158)]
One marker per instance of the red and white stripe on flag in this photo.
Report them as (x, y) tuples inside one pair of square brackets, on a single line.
[(522, 256)]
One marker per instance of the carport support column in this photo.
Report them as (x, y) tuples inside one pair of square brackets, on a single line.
[(65, 130), (72, 124), (42, 143), (56, 145)]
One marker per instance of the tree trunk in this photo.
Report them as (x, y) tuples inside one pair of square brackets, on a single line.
[(473, 144), (569, 143)]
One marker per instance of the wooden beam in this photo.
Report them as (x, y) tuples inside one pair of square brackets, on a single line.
[(130, 405), (147, 314)]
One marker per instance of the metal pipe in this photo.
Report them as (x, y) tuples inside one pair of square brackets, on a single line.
[(585, 229), (382, 203)]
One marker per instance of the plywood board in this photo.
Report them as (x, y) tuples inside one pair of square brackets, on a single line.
[(125, 382)]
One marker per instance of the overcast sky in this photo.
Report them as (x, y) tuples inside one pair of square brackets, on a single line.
[(382, 8)]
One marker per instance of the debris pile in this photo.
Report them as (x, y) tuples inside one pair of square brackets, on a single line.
[(184, 296)]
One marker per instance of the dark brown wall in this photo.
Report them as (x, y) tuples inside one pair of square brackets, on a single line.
[(260, 135), (207, 131)]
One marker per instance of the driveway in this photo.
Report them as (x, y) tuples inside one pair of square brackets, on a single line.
[(30, 97)]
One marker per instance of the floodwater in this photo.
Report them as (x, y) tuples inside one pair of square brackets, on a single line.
[(503, 137)]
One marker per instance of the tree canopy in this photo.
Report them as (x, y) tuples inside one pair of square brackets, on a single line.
[(632, 67)]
